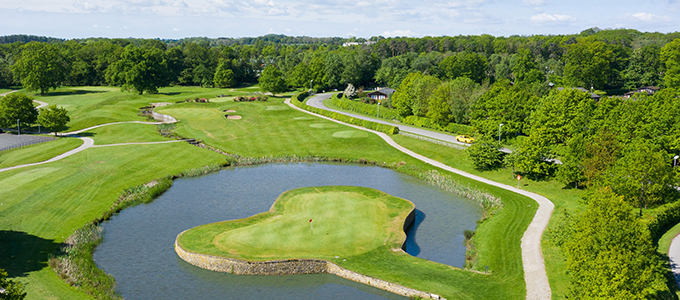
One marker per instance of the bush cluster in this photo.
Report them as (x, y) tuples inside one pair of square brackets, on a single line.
[(343, 118), (196, 99), (223, 95), (250, 98), (367, 109)]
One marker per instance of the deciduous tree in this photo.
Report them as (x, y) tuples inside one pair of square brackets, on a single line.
[(140, 69), (17, 106), (610, 255), (40, 67), (271, 80), (53, 118)]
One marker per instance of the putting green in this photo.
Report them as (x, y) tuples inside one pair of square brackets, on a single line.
[(346, 221), (350, 134)]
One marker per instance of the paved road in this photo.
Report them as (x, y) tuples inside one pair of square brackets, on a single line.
[(674, 255), (535, 277), (317, 101)]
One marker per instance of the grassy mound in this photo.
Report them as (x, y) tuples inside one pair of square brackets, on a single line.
[(347, 221)]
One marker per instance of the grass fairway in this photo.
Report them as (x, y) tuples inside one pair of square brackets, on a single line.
[(274, 129), (37, 152), (89, 106), (347, 221)]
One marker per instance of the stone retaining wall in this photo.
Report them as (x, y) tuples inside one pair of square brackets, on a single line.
[(298, 266), (292, 267)]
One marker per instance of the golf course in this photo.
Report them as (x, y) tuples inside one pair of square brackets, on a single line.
[(44, 205)]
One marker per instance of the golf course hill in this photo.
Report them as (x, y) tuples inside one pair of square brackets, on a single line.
[(313, 225)]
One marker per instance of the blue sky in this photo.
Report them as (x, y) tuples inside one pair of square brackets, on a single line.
[(324, 18)]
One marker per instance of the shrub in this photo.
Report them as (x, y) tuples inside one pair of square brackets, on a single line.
[(389, 129), (367, 109)]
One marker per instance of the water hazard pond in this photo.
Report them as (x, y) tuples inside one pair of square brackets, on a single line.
[(138, 243)]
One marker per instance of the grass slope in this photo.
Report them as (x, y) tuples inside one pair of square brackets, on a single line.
[(347, 221), (125, 133), (37, 152)]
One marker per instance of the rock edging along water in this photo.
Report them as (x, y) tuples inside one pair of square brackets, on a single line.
[(292, 267), (296, 267)]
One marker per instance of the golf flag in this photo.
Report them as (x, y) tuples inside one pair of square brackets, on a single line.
[(311, 226)]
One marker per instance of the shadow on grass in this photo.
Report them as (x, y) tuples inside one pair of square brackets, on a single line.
[(72, 92), (170, 94), (21, 253), (411, 245)]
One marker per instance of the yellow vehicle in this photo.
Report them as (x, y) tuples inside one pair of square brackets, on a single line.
[(465, 139)]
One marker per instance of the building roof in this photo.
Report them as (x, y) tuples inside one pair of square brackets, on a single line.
[(385, 91)]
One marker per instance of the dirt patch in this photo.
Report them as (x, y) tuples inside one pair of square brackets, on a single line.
[(233, 117)]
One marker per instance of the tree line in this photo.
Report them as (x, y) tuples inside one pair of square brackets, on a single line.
[(612, 61)]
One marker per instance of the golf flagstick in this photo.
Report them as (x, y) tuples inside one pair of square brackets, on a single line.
[(311, 226)]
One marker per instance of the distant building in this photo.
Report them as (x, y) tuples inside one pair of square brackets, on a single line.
[(381, 94), (357, 43), (650, 90), (596, 97)]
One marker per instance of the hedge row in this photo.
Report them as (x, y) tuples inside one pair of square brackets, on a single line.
[(365, 108), (297, 101), (659, 220), (427, 123)]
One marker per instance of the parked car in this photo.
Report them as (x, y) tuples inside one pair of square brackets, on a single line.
[(465, 139)]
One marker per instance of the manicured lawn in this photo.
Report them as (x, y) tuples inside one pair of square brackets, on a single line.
[(2, 91), (346, 221), (560, 195), (125, 133), (37, 152), (273, 129)]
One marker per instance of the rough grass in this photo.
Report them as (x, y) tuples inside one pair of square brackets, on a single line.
[(346, 221), (37, 152)]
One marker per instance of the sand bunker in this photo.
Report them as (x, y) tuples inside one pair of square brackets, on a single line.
[(233, 117), (229, 110)]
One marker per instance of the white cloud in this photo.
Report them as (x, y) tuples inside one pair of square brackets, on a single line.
[(547, 18), (650, 18), (399, 33), (175, 29)]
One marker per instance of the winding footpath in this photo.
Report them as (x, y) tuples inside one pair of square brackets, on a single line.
[(535, 276), (89, 142), (674, 256)]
